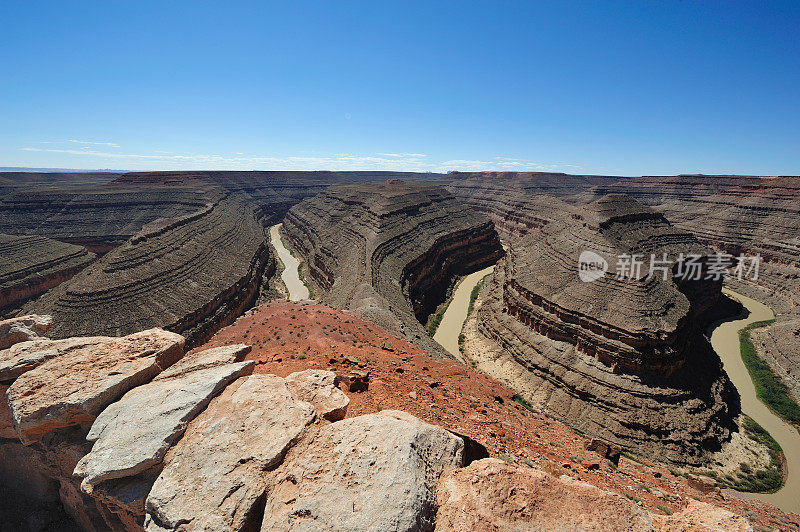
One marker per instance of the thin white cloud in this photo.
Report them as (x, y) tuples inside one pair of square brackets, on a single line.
[(164, 160), (92, 143), (412, 155)]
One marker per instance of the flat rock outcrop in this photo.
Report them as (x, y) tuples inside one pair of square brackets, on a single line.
[(23, 329), (389, 251), (31, 265), (243, 452), (124, 446), (701, 517), (25, 356), (372, 472), (620, 358), (225, 452), (190, 275), (73, 386)]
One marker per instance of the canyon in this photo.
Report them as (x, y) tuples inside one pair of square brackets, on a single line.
[(161, 292), (32, 265)]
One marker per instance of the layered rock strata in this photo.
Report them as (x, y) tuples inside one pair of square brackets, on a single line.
[(389, 251), (623, 359), (97, 217), (31, 265), (514, 212), (271, 193), (102, 211), (569, 187), (191, 274), (732, 214), (749, 215), (736, 214)]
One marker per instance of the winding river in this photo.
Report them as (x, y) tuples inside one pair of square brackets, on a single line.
[(290, 276), (725, 340), (456, 314)]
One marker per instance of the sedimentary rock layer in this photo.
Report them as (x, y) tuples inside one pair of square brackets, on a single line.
[(389, 251), (566, 186), (750, 215), (190, 274), (31, 265), (98, 217), (733, 214), (514, 211), (270, 193), (621, 358)]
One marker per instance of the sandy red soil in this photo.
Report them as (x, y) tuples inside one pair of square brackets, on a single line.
[(288, 337)]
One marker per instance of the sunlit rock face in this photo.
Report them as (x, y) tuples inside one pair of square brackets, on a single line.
[(622, 356)]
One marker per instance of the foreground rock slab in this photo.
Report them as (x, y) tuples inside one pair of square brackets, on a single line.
[(373, 472), (25, 356), (491, 495), (208, 358), (135, 433), (319, 388), (73, 385), (23, 329), (213, 477)]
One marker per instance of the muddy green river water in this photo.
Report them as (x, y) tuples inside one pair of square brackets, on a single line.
[(290, 276)]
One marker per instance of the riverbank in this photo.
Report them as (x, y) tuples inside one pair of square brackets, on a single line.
[(452, 322), (726, 342), (297, 289)]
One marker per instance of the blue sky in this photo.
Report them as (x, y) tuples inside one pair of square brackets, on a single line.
[(630, 87)]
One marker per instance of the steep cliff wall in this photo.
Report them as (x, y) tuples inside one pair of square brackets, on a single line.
[(733, 214), (389, 251)]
